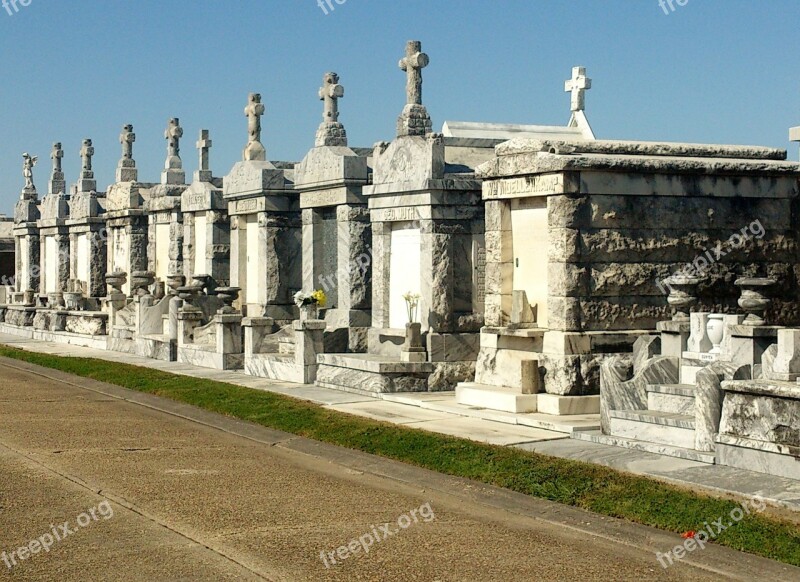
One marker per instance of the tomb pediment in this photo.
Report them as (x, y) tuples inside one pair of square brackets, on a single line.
[(55, 207), (253, 177), (410, 159), (84, 205), (124, 196), (26, 211), (328, 164), (202, 196)]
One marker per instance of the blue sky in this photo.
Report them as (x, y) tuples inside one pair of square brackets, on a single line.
[(721, 71)]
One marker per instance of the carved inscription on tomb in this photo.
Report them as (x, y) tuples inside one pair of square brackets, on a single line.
[(526, 186)]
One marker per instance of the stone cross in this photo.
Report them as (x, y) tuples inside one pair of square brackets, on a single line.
[(173, 135), (254, 110), (203, 173), (203, 146), (413, 63), (578, 85), (330, 92), (126, 138), (87, 151), (794, 134), (56, 156)]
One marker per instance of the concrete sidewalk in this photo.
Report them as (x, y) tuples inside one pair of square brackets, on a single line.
[(436, 412), (198, 496)]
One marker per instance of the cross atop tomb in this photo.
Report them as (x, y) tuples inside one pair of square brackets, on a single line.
[(173, 135), (413, 63), (331, 132), (794, 134), (173, 173), (126, 168), (56, 155), (87, 151), (203, 174), (57, 183), (126, 138), (254, 110), (86, 181), (330, 92), (414, 121), (578, 85)]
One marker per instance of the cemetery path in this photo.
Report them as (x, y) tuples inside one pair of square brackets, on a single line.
[(196, 496)]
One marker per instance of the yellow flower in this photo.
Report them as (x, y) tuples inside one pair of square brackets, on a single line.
[(320, 297)]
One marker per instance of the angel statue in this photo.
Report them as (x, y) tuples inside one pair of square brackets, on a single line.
[(27, 170)]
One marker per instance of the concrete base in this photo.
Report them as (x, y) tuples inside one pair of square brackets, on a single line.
[(663, 428), (58, 337), (368, 373), (756, 459), (495, 398), (568, 405)]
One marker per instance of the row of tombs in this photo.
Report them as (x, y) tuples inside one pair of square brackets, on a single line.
[(532, 269)]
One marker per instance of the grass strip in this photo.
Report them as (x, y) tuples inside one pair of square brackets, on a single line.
[(592, 487)]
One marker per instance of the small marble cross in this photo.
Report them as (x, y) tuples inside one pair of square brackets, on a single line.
[(794, 134), (56, 156), (413, 63), (330, 93), (87, 151), (254, 110), (578, 85), (203, 147), (254, 151), (126, 138), (173, 135)]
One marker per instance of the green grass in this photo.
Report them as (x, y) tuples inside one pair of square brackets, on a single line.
[(592, 487)]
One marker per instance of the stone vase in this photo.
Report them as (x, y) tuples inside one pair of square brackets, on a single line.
[(309, 311), (755, 299), (682, 295), (174, 282), (141, 281), (72, 300), (413, 341), (228, 295), (716, 331), (116, 280)]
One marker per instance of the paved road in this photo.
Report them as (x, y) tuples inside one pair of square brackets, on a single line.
[(191, 500)]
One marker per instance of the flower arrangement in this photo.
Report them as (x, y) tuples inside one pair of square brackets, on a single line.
[(412, 304), (317, 297)]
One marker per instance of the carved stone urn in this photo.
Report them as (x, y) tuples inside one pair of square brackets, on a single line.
[(682, 295), (141, 281), (309, 311), (55, 300), (174, 282), (115, 281), (755, 299), (190, 294), (73, 300), (228, 295), (205, 282)]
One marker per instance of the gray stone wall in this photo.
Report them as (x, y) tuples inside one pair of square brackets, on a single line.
[(609, 253)]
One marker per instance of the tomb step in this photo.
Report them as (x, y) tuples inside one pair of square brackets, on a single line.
[(676, 398), (666, 428), (595, 436), (494, 398)]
